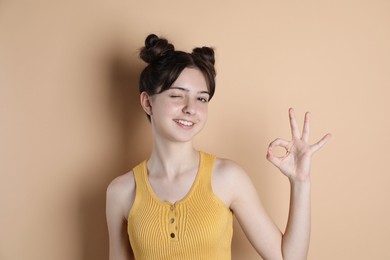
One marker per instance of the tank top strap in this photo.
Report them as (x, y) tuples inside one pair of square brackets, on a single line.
[(139, 173), (141, 190), (206, 169)]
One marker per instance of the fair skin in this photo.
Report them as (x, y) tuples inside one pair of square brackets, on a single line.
[(177, 115)]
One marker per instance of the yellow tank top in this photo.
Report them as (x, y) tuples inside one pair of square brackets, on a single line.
[(197, 227)]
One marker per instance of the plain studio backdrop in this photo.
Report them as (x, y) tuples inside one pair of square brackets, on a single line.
[(71, 119)]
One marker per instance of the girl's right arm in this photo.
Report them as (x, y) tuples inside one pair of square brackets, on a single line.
[(119, 199)]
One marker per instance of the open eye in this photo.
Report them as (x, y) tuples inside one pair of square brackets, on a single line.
[(203, 100)]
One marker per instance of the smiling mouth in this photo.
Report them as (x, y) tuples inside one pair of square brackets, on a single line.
[(183, 122)]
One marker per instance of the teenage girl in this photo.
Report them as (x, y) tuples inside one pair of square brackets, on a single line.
[(179, 203)]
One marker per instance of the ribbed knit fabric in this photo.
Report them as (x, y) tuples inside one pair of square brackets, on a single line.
[(197, 227)]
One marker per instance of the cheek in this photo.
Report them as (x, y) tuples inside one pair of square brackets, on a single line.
[(203, 112), (165, 108)]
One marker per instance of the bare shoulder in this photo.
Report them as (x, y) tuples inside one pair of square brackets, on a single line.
[(121, 193), (229, 170), (229, 180), (122, 183)]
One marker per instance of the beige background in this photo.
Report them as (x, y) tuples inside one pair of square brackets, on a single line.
[(71, 120)]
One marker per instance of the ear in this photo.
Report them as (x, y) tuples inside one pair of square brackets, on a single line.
[(146, 103)]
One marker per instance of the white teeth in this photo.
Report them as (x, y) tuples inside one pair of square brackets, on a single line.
[(186, 123)]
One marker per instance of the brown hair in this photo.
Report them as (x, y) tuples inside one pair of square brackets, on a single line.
[(165, 65)]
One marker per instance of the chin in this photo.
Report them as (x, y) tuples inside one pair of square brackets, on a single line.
[(185, 137)]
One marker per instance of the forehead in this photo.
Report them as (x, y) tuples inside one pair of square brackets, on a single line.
[(191, 79)]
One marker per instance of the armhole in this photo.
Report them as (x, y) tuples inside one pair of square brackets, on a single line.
[(217, 199)]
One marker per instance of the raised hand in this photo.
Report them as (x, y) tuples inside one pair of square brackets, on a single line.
[(295, 164)]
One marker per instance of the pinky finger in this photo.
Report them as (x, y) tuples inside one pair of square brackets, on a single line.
[(315, 147)]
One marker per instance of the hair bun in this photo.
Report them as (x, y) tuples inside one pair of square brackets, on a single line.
[(155, 47), (205, 53)]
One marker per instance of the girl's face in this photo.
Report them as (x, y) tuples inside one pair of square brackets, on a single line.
[(180, 112)]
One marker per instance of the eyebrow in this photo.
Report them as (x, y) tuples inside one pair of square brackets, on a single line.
[(187, 90)]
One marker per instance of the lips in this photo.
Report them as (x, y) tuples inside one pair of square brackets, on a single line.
[(184, 122)]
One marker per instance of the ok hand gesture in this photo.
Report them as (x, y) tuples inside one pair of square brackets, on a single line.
[(295, 164)]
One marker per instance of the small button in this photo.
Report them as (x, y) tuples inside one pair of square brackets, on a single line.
[(172, 220), (172, 235)]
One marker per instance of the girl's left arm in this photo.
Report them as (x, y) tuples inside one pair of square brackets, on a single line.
[(295, 164), (267, 239)]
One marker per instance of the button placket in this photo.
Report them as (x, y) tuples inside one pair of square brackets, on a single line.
[(172, 225)]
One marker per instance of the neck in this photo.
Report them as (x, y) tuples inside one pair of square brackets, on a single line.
[(169, 158)]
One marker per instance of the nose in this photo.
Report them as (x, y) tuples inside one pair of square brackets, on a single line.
[(189, 107)]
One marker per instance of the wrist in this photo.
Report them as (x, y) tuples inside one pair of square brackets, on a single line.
[(301, 182), (300, 190)]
